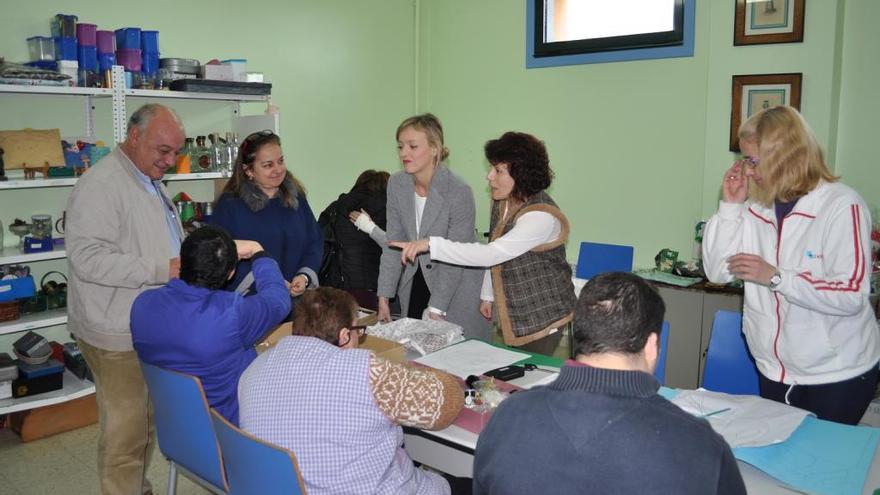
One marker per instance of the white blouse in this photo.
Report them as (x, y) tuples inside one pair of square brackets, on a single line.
[(531, 230)]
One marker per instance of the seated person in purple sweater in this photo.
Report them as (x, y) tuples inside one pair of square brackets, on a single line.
[(264, 202), (340, 409), (601, 427), (193, 326)]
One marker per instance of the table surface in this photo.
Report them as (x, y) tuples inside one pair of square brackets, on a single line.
[(454, 446)]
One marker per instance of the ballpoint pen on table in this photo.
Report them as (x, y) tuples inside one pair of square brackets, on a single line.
[(713, 413)]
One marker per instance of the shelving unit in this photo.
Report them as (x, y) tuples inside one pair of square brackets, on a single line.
[(14, 255), (74, 387), (34, 321)]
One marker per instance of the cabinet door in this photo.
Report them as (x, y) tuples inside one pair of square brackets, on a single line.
[(684, 313)]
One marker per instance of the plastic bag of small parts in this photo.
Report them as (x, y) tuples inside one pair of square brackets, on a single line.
[(419, 336)]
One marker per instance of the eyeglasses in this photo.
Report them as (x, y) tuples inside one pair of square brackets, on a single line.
[(361, 330)]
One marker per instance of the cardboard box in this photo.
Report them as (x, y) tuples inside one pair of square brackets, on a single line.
[(383, 348)]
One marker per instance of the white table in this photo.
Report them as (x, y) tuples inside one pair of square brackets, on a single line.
[(451, 450)]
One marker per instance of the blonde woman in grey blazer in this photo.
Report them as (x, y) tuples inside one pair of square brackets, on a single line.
[(427, 199)]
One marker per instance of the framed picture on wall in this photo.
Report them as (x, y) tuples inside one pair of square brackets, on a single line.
[(768, 21), (753, 93)]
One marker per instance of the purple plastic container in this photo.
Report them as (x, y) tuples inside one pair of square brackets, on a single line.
[(106, 42), (85, 34), (130, 59), (128, 38)]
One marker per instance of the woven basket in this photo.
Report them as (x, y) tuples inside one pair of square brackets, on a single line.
[(9, 311)]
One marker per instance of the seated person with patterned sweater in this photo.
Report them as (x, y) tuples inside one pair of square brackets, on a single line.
[(193, 326), (601, 427), (339, 408)]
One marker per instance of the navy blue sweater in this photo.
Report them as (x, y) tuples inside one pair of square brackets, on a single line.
[(601, 431), (291, 236)]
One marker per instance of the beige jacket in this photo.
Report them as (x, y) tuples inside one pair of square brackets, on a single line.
[(118, 245)]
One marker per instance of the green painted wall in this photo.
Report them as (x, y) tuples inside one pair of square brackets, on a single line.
[(638, 147), (859, 120)]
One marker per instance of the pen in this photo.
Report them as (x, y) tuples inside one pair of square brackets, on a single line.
[(713, 413)]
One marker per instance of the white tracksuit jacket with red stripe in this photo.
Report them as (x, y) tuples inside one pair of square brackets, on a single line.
[(817, 326)]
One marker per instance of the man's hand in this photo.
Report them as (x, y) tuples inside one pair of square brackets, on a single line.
[(384, 310)]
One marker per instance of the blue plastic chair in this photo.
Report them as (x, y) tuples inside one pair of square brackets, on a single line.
[(730, 368), (256, 466), (660, 371), (184, 428)]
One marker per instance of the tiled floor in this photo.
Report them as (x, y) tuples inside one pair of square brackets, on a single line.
[(67, 463)]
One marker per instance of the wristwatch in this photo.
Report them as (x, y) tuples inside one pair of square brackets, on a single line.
[(775, 280)]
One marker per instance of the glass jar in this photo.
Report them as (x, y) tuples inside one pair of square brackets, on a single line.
[(41, 226)]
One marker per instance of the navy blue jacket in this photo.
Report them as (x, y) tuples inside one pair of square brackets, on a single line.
[(604, 431), (290, 235), (209, 333)]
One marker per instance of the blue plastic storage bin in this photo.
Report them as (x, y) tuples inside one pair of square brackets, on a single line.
[(150, 42), (65, 49), (88, 57), (128, 38), (106, 61), (17, 288), (151, 62)]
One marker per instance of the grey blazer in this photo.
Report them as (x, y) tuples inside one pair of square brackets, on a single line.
[(449, 213)]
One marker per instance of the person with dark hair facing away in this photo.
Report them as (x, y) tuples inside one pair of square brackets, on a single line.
[(351, 257), (339, 408), (193, 326), (601, 427), (264, 202), (529, 278)]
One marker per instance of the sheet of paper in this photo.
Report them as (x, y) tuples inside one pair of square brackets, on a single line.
[(743, 420), (819, 457), (471, 357)]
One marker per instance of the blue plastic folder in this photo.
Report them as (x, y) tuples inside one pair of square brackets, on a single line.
[(820, 457), (595, 258)]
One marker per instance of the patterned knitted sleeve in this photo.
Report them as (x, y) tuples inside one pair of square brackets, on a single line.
[(421, 398)]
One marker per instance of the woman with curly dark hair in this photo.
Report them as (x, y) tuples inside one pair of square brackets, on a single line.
[(529, 279)]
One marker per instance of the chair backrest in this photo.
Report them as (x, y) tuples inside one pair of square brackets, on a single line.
[(730, 368), (183, 423), (256, 466), (595, 258), (660, 371)]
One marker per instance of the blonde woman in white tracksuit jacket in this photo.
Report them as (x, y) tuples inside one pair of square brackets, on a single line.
[(801, 243)]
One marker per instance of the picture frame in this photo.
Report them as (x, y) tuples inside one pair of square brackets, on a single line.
[(759, 22), (752, 93)]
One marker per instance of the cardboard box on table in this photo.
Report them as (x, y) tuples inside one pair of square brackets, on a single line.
[(383, 348)]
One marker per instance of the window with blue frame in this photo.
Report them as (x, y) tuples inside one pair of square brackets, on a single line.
[(567, 32)]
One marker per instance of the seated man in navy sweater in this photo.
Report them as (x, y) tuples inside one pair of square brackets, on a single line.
[(193, 326), (601, 427)]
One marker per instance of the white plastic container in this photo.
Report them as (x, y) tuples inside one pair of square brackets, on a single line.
[(70, 68), (239, 69)]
